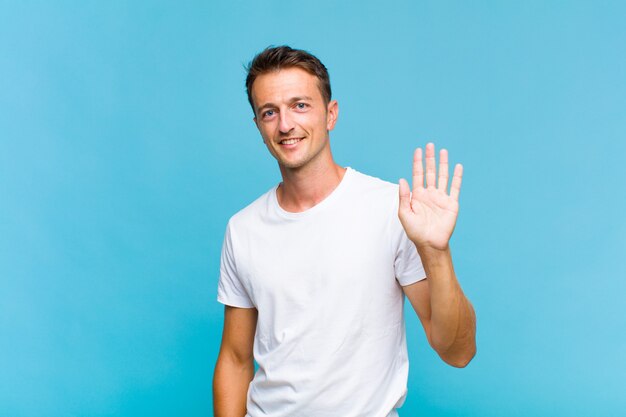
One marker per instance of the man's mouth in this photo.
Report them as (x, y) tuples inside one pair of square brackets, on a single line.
[(290, 141)]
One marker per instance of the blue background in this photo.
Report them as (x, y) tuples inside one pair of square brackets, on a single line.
[(126, 143)]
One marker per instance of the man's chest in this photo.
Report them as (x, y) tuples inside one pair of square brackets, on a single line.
[(308, 263)]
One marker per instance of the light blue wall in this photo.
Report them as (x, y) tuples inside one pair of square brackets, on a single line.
[(126, 142)]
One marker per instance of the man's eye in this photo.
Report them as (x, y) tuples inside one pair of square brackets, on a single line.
[(301, 106), (268, 113)]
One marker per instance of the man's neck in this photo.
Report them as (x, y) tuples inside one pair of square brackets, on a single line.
[(304, 188)]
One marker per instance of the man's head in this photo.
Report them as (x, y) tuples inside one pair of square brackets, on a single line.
[(283, 57), (292, 106)]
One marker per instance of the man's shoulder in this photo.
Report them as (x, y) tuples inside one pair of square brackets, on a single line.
[(254, 210), (365, 182)]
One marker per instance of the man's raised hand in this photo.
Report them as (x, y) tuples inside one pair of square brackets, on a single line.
[(428, 214)]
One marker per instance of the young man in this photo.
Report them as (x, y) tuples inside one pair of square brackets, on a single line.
[(314, 272)]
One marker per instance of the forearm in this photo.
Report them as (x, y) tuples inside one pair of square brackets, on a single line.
[(230, 387), (452, 320)]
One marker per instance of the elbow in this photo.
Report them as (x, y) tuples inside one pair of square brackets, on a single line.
[(461, 362), (460, 359), (457, 354)]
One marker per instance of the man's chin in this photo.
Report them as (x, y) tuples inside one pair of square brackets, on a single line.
[(290, 165)]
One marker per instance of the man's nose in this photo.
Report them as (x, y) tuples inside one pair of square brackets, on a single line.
[(285, 122)]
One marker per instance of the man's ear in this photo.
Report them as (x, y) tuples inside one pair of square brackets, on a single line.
[(332, 112)]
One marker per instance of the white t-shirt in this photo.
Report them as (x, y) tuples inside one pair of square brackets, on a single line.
[(330, 338)]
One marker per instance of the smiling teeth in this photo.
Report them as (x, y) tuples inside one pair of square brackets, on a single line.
[(290, 141)]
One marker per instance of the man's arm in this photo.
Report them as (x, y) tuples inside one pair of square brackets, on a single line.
[(428, 215), (445, 313), (235, 364)]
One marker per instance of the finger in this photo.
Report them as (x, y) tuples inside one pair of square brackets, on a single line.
[(405, 195), (443, 170), (455, 188), (418, 170), (430, 165)]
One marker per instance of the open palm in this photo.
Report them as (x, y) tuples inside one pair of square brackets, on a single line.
[(428, 214)]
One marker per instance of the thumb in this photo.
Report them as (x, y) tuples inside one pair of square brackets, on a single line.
[(405, 195)]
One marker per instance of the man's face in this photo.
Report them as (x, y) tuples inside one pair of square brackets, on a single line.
[(292, 117)]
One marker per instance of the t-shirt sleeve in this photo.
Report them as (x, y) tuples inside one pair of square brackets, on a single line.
[(408, 265), (230, 290)]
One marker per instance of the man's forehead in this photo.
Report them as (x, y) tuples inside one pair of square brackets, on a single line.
[(284, 84)]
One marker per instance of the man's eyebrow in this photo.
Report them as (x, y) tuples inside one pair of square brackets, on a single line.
[(291, 101), (264, 106), (300, 98)]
